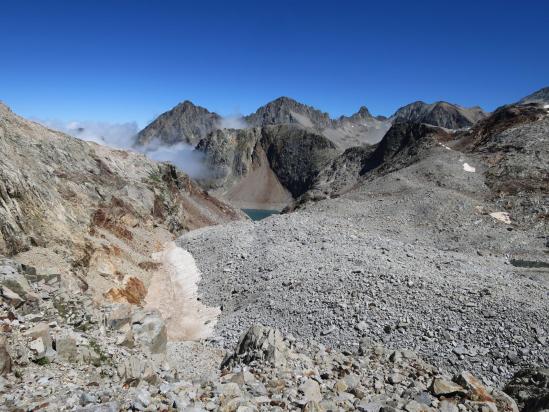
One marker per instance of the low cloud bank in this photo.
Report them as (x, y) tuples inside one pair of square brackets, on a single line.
[(180, 154), (235, 121), (117, 135), (122, 136)]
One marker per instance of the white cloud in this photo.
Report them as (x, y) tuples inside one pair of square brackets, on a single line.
[(235, 121), (122, 136), (118, 135), (180, 154)]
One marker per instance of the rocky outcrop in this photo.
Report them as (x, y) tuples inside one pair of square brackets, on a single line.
[(88, 214), (264, 166), (404, 144), (514, 144), (259, 344), (185, 123), (296, 156), (440, 114), (530, 387), (539, 97)]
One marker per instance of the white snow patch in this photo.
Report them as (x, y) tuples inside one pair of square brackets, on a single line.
[(174, 292), (502, 217), (446, 147), (469, 168)]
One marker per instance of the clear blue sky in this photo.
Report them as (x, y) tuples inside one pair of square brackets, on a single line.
[(131, 60)]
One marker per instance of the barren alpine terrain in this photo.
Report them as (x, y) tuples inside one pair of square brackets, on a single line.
[(410, 274)]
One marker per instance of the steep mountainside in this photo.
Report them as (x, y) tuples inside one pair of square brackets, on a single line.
[(185, 123), (441, 114), (402, 145), (266, 166), (355, 130), (512, 144), (541, 96), (92, 214), (189, 123)]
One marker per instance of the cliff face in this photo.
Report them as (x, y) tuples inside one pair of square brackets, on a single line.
[(93, 213), (264, 167)]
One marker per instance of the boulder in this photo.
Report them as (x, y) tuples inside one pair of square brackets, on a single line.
[(40, 331), (311, 391), (12, 276), (504, 402), (11, 297), (65, 346), (5, 358), (475, 390), (446, 388), (530, 388), (259, 344), (118, 315), (135, 369), (149, 330), (37, 347)]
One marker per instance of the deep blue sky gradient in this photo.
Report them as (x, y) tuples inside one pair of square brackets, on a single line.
[(131, 60)]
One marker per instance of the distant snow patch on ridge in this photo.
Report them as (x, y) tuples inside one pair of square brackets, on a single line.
[(174, 292)]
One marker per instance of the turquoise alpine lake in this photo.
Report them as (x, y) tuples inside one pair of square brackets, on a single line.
[(258, 214)]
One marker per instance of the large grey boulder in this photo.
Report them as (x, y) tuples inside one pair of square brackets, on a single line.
[(12, 277), (149, 330), (259, 344), (135, 369)]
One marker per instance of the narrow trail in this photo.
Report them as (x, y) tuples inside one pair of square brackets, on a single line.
[(174, 292)]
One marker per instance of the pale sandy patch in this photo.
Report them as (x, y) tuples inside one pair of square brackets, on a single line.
[(174, 292)]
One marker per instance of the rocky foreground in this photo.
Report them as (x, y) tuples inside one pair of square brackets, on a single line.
[(60, 352)]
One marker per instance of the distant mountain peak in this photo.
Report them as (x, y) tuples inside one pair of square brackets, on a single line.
[(186, 122), (363, 113), (285, 110), (440, 113)]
